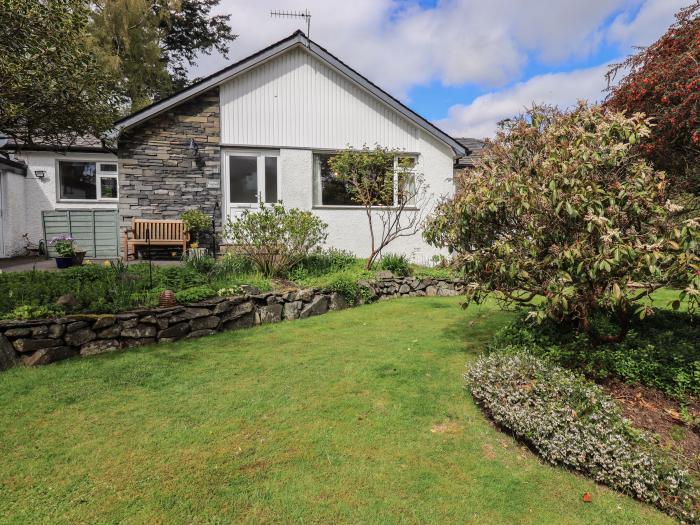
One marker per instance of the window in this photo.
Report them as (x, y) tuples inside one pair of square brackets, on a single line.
[(329, 190), (252, 177), (81, 180)]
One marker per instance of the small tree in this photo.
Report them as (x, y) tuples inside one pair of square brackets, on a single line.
[(276, 239), (663, 81), (383, 181), (563, 212), (52, 87)]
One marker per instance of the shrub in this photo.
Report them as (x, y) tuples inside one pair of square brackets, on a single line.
[(571, 422), (203, 264), (563, 211), (322, 262), (661, 351), (194, 294), (233, 264), (196, 221), (395, 263), (274, 238)]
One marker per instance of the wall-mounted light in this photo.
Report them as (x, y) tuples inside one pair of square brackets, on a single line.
[(193, 146), (39, 174)]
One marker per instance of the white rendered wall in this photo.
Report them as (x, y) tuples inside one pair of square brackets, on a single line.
[(13, 222), (298, 105), (42, 194)]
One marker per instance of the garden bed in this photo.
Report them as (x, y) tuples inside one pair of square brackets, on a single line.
[(44, 341)]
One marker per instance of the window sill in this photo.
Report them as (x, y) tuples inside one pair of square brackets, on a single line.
[(88, 201), (358, 208)]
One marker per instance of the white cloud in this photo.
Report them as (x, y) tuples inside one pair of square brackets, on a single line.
[(479, 118), (399, 44), (652, 20)]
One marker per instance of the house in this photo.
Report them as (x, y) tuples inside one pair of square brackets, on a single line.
[(79, 178), (259, 129)]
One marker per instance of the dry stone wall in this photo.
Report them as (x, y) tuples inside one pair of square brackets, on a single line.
[(44, 341)]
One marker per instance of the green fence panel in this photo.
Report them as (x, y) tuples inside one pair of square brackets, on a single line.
[(95, 231)]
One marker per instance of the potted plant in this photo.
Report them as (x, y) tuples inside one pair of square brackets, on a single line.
[(66, 250), (79, 254), (196, 222)]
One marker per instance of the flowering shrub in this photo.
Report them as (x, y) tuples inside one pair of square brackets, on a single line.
[(562, 213), (571, 422), (663, 81), (63, 244)]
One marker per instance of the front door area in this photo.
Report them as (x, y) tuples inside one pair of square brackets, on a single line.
[(250, 177)]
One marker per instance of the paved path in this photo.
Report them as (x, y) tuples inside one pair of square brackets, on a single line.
[(27, 264)]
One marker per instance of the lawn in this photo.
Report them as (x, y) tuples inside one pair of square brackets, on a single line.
[(357, 416)]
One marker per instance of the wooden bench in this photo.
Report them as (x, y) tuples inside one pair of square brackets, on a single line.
[(162, 233)]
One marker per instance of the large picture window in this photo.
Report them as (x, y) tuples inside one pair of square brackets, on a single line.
[(330, 190), (86, 180)]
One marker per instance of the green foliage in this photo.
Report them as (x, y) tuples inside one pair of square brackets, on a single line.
[(345, 281), (46, 55), (194, 294), (203, 264), (322, 262), (195, 220), (148, 44), (562, 209), (33, 312), (661, 351), (569, 421), (395, 263), (276, 239)]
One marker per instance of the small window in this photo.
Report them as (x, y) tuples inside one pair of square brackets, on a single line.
[(270, 179), (78, 180), (243, 179), (108, 187)]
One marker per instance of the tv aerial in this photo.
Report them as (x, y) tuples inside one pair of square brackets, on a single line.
[(305, 14)]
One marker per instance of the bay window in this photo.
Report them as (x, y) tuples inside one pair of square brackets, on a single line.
[(87, 180)]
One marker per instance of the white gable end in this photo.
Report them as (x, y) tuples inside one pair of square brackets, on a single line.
[(296, 100)]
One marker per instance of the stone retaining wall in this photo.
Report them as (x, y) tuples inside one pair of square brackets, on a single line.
[(43, 341)]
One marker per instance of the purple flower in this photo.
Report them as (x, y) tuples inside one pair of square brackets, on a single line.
[(63, 237)]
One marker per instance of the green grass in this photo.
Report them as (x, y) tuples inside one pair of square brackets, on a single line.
[(325, 420)]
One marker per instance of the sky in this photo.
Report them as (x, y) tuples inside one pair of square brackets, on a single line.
[(463, 64)]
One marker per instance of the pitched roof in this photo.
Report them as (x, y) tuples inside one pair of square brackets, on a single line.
[(13, 166), (296, 39), (88, 143), (474, 148)]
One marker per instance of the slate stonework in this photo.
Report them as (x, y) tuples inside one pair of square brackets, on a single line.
[(159, 175), (44, 341)]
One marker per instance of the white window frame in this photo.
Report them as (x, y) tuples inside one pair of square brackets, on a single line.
[(316, 180), (99, 175)]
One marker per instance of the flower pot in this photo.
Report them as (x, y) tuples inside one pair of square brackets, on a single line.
[(78, 258), (64, 262)]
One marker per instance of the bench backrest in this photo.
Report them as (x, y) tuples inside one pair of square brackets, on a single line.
[(170, 230)]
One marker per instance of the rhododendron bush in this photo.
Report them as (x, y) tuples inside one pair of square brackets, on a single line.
[(563, 213), (663, 81)]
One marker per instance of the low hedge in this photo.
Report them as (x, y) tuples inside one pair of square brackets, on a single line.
[(569, 421)]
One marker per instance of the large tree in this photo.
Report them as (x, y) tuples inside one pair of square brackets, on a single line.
[(52, 87), (149, 44), (663, 81), (563, 214)]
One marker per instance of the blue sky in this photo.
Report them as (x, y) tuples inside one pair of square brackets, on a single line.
[(465, 64)]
